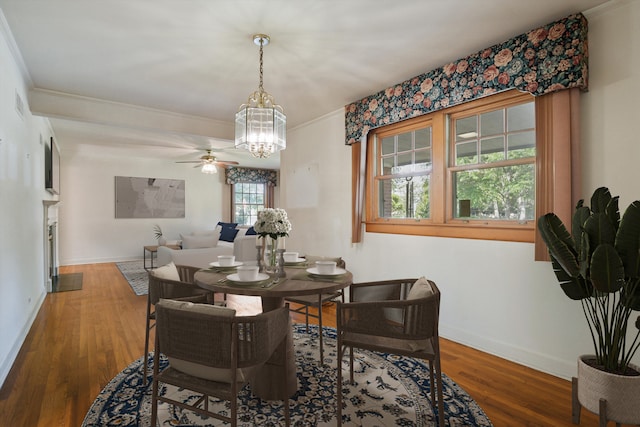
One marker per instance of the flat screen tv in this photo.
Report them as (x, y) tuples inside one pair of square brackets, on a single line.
[(51, 168)]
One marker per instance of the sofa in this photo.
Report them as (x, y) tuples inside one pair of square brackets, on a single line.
[(200, 248)]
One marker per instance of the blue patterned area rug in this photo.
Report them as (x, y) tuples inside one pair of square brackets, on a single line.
[(389, 391), (136, 275)]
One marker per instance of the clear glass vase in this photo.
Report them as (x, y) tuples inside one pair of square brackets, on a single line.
[(270, 254)]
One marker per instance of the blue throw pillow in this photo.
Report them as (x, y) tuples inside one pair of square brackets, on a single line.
[(228, 234), (251, 232), (227, 224)]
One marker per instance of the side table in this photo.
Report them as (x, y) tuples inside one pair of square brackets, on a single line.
[(153, 250)]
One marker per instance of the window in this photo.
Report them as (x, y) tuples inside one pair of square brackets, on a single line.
[(466, 171), (404, 165), (492, 164), (248, 199)]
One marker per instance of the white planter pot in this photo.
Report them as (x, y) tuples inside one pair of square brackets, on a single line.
[(162, 241), (621, 393)]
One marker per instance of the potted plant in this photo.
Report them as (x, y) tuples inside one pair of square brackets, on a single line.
[(157, 231), (598, 263)]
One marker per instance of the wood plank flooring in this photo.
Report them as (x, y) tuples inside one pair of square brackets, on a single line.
[(81, 339)]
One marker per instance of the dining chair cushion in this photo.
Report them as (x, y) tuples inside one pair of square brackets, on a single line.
[(217, 310), (393, 344), (168, 272), (420, 289), (219, 375), (197, 369)]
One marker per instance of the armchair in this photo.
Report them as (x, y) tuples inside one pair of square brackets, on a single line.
[(393, 316), (214, 353), (170, 282)]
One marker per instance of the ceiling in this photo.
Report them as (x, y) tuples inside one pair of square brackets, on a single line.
[(166, 77)]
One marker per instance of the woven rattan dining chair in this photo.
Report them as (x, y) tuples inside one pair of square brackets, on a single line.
[(214, 353), (317, 300), (183, 290), (395, 317)]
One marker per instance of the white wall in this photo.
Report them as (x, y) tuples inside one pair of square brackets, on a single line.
[(89, 231), (495, 297), (22, 276)]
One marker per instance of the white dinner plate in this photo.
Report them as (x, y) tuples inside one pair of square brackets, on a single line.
[(298, 261), (336, 272), (235, 279), (217, 264)]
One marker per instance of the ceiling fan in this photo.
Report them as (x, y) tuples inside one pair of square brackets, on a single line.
[(209, 163)]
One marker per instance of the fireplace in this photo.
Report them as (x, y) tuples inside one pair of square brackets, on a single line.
[(51, 243)]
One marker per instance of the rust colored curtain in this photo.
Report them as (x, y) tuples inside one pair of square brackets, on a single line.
[(558, 158), (358, 179)]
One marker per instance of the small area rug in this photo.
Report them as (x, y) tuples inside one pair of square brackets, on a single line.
[(389, 391), (136, 275)]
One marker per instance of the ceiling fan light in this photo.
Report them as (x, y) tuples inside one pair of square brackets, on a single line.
[(261, 124), (209, 168)]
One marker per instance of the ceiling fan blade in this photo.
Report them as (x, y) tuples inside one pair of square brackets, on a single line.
[(226, 163), (190, 161)]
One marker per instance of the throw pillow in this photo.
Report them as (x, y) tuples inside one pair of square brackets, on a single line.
[(227, 224), (420, 289), (228, 234), (251, 231), (168, 272), (195, 242)]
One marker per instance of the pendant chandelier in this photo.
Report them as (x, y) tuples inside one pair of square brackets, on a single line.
[(261, 123)]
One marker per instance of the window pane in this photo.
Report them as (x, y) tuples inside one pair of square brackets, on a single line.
[(405, 159), (423, 138), (522, 145), (521, 117), (423, 156), (505, 193), (492, 149), (466, 128), (492, 123), (466, 153), (387, 146), (387, 165), (404, 198), (404, 142)]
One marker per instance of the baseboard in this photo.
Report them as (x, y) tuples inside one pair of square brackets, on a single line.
[(8, 362), (82, 261), (538, 361)]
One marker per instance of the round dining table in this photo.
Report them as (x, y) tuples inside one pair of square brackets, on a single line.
[(268, 383)]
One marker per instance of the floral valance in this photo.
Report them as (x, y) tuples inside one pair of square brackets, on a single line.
[(235, 175), (543, 60)]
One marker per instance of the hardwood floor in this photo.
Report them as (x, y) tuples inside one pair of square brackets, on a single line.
[(81, 339)]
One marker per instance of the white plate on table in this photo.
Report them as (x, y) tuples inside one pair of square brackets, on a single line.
[(217, 264), (337, 272), (298, 261), (236, 279)]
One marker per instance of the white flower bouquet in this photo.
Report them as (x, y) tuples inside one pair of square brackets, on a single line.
[(273, 223)]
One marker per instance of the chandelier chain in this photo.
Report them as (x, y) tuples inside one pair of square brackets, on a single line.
[(260, 88)]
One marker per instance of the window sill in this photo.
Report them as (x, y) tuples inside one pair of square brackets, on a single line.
[(508, 233)]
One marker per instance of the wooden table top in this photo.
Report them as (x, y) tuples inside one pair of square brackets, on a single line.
[(297, 282)]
